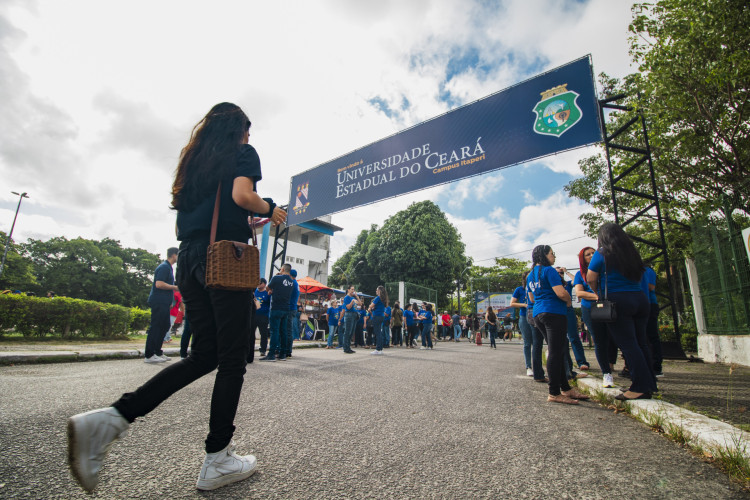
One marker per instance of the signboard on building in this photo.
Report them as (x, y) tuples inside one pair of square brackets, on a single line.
[(552, 112)]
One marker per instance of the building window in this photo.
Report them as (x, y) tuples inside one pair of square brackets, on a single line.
[(304, 239)]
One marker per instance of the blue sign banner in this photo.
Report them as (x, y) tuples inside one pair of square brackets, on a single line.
[(553, 112)]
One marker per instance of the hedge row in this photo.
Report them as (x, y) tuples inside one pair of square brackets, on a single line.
[(68, 318)]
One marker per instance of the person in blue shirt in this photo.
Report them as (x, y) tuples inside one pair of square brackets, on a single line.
[(280, 289), (518, 302), (550, 313), (538, 335), (333, 324), (160, 301), (410, 324), (292, 319), (598, 330), (349, 305), (425, 318), (574, 336), (615, 271), (260, 318), (652, 327), (377, 312), (359, 330)]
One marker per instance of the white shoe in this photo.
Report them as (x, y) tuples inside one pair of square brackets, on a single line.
[(529, 372), (225, 467), (423, 348), (430, 348), (607, 380), (90, 436), (165, 357), (373, 353), (154, 359)]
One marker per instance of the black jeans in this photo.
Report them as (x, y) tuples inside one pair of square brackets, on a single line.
[(652, 333), (185, 340), (396, 336), (629, 332), (220, 321), (556, 327), (261, 321), (157, 329)]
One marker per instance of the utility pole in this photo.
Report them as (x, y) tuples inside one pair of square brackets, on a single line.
[(10, 235)]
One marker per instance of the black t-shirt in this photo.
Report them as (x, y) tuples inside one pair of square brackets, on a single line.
[(233, 224)]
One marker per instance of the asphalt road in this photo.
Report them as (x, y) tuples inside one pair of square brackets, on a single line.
[(460, 421)]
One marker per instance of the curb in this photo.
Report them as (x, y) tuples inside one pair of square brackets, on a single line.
[(43, 357), (697, 430)]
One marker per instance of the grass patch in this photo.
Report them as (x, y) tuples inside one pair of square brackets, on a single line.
[(655, 421), (678, 434), (734, 461)]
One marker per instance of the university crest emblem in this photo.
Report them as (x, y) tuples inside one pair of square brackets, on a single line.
[(300, 200), (557, 112)]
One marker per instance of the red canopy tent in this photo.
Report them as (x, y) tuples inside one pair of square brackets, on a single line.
[(310, 285)]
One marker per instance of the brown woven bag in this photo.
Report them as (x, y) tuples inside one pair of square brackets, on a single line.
[(231, 265)]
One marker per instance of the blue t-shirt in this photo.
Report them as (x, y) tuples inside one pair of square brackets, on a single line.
[(362, 313), (379, 309), (520, 295), (333, 316), (578, 280), (265, 303), (409, 317), (545, 299), (615, 281), (427, 317), (294, 298), (650, 276), (158, 296), (349, 300), (529, 303), (387, 314), (281, 286)]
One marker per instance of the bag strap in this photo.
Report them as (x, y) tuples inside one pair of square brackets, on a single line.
[(215, 219), (605, 277)]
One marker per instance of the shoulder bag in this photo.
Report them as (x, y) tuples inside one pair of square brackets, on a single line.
[(231, 265), (604, 311)]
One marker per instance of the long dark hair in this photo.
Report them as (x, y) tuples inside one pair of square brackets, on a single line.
[(619, 251), (539, 255), (210, 155), (383, 295), (491, 317)]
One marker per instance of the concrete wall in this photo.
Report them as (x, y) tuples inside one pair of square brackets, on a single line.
[(724, 348)]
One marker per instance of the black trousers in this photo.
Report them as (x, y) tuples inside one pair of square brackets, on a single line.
[(220, 321), (261, 322), (556, 328)]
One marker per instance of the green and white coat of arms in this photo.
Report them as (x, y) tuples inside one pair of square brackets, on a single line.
[(557, 112)]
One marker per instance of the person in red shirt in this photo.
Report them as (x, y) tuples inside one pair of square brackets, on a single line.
[(175, 316), (447, 328)]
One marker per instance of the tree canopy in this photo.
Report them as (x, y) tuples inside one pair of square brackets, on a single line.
[(417, 245)]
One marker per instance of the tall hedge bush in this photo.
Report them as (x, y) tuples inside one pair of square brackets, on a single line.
[(68, 318)]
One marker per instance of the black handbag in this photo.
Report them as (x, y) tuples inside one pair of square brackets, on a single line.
[(604, 311)]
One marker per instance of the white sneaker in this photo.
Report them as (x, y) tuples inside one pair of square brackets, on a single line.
[(225, 467), (90, 436), (373, 353), (423, 348), (529, 372), (607, 380), (165, 357), (430, 348), (154, 359)]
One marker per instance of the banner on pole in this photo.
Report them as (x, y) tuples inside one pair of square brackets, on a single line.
[(552, 112)]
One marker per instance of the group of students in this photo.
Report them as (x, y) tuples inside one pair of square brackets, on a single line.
[(616, 272), (379, 325)]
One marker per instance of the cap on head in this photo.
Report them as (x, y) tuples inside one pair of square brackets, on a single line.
[(293, 272)]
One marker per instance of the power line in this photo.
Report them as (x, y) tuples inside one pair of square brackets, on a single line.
[(530, 249)]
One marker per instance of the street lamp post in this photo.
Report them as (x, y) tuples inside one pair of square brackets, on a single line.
[(458, 290), (10, 235)]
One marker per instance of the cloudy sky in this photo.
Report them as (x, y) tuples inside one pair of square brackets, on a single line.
[(100, 96)]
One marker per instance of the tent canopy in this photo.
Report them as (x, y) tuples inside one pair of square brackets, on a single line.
[(310, 285)]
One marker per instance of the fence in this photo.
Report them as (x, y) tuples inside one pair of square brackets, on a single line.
[(411, 292), (723, 274)]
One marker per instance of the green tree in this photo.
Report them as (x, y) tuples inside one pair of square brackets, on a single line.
[(93, 270), (352, 267), (17, 273), (419, 245)]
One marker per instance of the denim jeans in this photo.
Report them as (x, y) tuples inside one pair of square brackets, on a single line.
[(332, 333), (159, 327), (525, 327), (350, 324), (426, 337), (556, 327), (629, 332), (291, 321), (386, 332), (456, 332), (493, 334), (601, 340), (575, 338), (278, 324), (379, 330), (221, 324)]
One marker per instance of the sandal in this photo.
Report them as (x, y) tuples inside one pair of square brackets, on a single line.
[(562, 398), (576, 394)]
